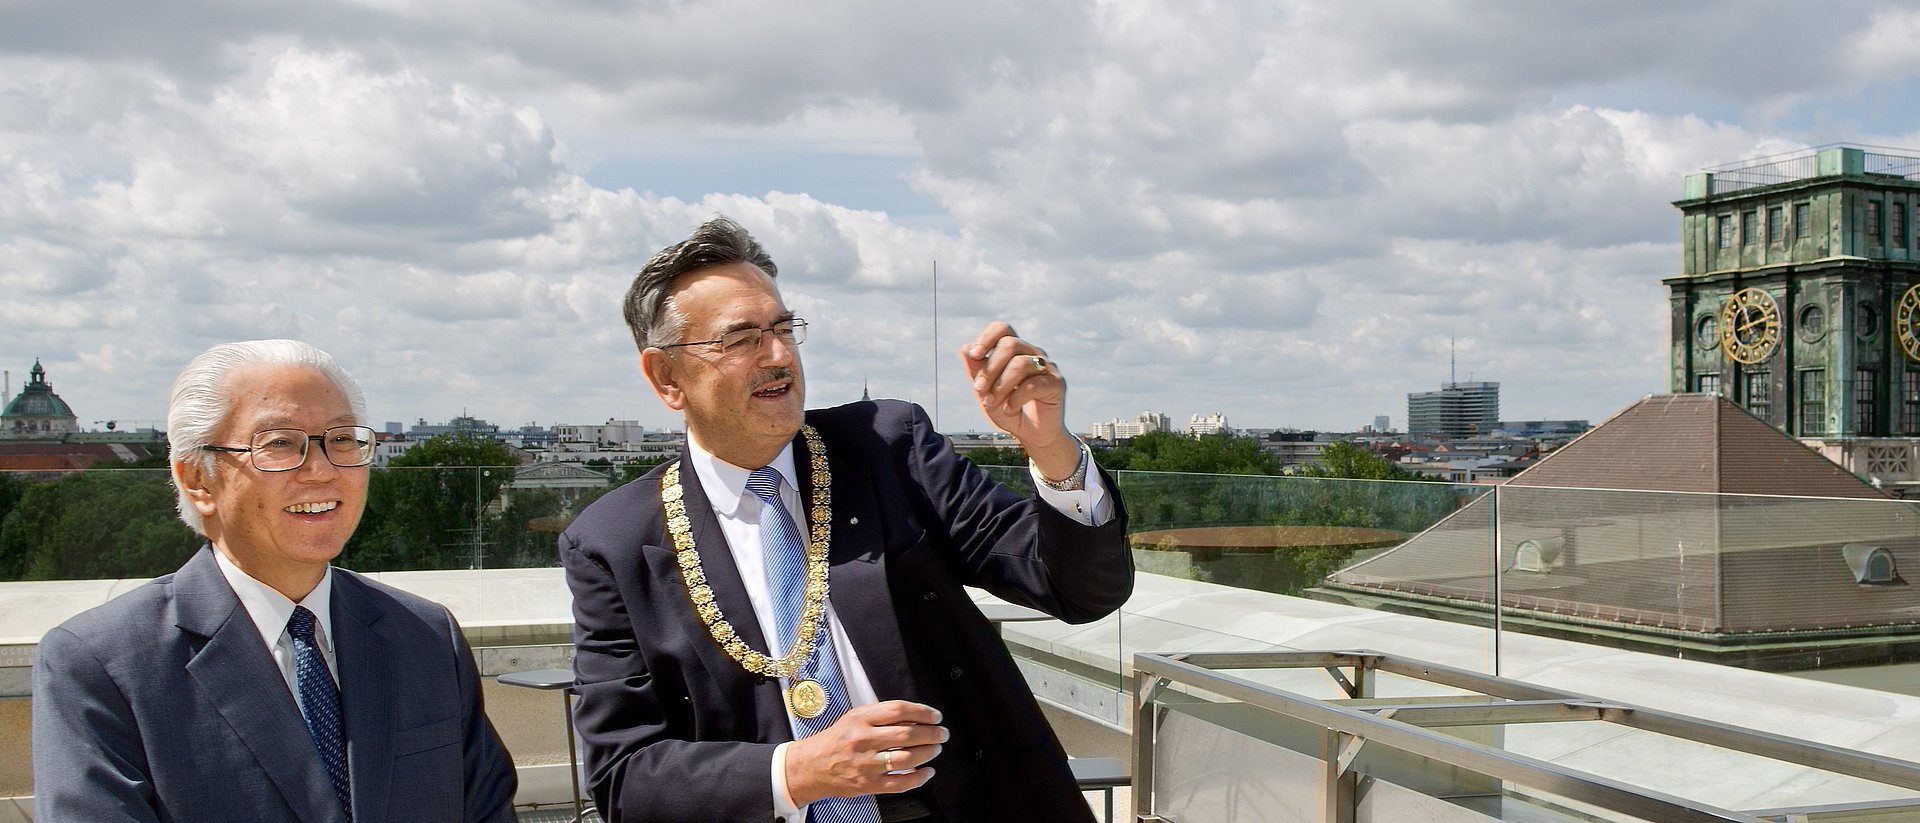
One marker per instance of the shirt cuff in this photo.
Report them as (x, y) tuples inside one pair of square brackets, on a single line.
[(1089, 505), (783, 808)]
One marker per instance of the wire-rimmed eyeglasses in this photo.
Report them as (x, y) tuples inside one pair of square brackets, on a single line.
[(279, 450), (747, 342)]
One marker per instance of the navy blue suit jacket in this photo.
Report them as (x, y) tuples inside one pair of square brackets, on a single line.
[(677, 731), (164, 704)]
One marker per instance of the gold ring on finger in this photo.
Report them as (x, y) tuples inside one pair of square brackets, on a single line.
[(1039, 364)]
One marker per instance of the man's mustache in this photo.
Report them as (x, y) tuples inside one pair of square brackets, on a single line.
[(771, 376)]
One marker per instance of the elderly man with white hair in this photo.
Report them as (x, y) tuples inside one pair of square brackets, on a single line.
[(258, 682)]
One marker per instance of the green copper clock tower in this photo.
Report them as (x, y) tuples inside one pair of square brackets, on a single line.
[(1797, 298)]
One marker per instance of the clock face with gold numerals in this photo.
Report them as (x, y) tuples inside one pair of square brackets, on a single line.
[(1906, 323), (1749, 326)]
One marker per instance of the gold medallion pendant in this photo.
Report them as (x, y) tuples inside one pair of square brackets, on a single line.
[(806, 699)]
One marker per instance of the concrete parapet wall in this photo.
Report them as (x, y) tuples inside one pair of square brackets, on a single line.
[(521, 619)]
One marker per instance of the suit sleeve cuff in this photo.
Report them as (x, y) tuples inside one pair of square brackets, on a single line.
[(1089, 505), (783, 808)]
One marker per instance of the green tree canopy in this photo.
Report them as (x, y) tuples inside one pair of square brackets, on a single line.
[(1220, 453), (997, 456), (102, 523), (633, 469), (427, 509), (1353, 462)]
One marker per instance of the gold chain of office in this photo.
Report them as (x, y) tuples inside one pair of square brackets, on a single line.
[(813, 611)]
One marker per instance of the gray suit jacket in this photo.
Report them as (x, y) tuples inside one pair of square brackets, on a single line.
[(164, 705)]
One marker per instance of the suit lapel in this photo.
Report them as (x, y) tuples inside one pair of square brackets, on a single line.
[(858, 587), (716, 560), (237, 673), (369, 671)]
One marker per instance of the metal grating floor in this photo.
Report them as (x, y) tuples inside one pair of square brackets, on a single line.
[(554, 814)]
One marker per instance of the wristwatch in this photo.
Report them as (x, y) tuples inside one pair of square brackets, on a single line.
[(1072, 482)]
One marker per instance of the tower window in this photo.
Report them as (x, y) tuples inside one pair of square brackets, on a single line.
[(1802, 220), (1873, 219), (1706, 332), (1910, 403), (1866, 403), (1897, 224), (1749, 223), (1726, 231), (1776, 226), (1813, 322), (1707, 383), (1757, 396), (1813, 402)]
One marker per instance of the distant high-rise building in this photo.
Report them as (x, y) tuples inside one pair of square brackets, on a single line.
[(463, 424), (1457, 410), (1205, 424), (1117, 430), (1381, 423)]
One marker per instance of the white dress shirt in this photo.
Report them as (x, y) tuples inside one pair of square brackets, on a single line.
[(739, 513), (271, 610)]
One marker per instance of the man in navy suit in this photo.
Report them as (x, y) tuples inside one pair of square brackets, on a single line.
[(257, 683), (774, 626)]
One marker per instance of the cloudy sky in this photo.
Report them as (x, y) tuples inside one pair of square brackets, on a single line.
[(1281, 211)]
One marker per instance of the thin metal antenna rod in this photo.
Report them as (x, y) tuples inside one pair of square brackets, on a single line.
[(936, 345)]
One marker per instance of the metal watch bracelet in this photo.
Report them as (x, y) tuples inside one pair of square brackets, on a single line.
[(1072, 482)]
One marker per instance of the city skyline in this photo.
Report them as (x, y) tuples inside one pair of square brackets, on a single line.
[(1255, 209), (437, 421)]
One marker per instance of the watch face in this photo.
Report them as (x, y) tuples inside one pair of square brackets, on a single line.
[(1749, 326), (1905, 317)]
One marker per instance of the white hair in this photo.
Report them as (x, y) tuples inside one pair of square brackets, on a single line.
[(201, 399)]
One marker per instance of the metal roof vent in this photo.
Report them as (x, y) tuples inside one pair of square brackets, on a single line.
[(1537, 555), (1871, 565)]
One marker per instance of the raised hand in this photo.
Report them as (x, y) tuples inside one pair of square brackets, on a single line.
[(1023, 394)]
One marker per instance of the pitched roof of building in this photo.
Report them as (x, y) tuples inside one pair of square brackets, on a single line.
[(90, 453), (1642, 521), (1692, 443), (46, 462)]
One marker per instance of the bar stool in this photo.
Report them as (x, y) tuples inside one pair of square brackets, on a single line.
[(549, 680), (1099, 774)]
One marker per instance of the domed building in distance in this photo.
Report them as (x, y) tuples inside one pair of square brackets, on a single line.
[(37, 413)]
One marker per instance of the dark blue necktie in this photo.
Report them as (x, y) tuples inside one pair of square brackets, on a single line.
[(320, 701), (786, 562)]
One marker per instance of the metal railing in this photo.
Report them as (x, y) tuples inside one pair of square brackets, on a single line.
[(1898, 165), (1353, 746), (1764, 171), (1806, 164)]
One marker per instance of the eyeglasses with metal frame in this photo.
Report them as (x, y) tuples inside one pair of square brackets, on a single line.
[(746, 342), (280, 450)]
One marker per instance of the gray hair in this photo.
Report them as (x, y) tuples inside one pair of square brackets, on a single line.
[(201, 399), (649, 306)]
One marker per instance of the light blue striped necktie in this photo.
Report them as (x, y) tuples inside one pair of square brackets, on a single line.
[(786, 562), (320, 702)]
